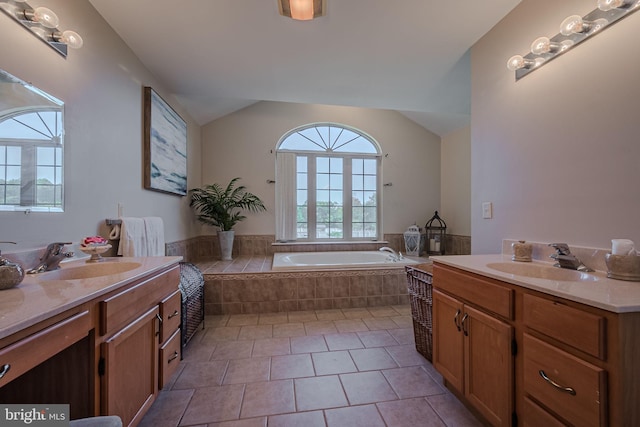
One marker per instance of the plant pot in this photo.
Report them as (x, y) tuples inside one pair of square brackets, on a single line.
[(226, 244)]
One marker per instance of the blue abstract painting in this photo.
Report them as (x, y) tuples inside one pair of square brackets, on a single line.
[(165, 142)]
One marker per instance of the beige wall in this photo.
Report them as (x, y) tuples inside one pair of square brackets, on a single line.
[(240, 144), (556, 152), (101, 85), (456, 181)]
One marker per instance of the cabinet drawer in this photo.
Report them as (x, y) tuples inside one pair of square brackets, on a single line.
[(169, 358), (579, 329), (124, 307), (23, 355), (479, 291), (535, 416), (579, 394), (170, 309)]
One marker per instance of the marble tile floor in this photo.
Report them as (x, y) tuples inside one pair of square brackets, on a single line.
[(325, 368)]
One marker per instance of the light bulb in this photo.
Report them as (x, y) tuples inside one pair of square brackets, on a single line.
[(43, 16), (573, 24), (71, 39), (606, 5), (302, 10), (543, 45), (516, 62)]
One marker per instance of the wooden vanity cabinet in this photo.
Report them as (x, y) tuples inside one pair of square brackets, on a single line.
[(134, 323), (473, 346), (589, 356)]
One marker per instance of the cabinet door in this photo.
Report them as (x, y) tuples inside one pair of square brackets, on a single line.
[(447, 339), (130, 382), (489, 366)]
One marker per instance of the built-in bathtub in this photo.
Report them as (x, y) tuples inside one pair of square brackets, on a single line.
[(336, 260)]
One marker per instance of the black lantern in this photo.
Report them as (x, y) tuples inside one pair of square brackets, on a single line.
[(436, 230)]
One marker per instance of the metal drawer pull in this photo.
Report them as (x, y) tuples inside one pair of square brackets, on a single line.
[(455, 320), (569, 390), (174, 314), (5, 369), (173, 356), (464, 327)]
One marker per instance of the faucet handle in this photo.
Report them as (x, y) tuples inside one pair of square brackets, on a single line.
[(562, 248)]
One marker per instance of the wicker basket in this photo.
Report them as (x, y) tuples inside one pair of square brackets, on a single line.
[(419, 280), (192, 290)]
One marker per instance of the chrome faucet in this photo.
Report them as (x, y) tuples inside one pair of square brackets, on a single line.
[(54, 253), (565, 259), (395, 256)]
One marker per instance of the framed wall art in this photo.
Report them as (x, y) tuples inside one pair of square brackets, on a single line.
[(165, 146)]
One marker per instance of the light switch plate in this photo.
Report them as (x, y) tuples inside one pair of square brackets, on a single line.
[(487, 210)]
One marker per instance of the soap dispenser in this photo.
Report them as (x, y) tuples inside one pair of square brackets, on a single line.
[(11, 273), (521, 251)]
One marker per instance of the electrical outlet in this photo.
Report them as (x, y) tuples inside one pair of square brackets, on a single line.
[(487, 210)]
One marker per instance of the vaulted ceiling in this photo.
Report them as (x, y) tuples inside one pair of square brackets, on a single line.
[(217, 56)]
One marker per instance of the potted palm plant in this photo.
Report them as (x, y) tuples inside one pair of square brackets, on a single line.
[(222, 208)]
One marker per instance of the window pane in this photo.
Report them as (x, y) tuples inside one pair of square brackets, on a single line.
[(45, 156), (13, 156), (357, 230), (370, 166), (322, 181), (335, 215), (358, 214), (3, 157), (301, 198), (370, 230), (302, 214), (369, 182), (322, 213), (301, 163), (301, 181), (322, 165), (13, 194), (357, 182), (370, 214), (370, 198), (357, 166), (336, 197), (13, 174), (357, 198), (302, 231), (335, 231), (336, 165), (335, 182), (322, 196)]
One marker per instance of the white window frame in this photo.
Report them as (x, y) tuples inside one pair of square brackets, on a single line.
[(347, 156)]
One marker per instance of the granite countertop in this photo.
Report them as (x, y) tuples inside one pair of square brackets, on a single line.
[(44, 295), (617, 296)]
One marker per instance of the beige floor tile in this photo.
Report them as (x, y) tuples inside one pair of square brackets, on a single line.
[(369, 359), (403, 335), (379, 338), (334, 314), (198, 351), (268, 398), (215, 320), (320, 327), (379, 323), (367, 387), (247, 370), (343, 341), (385, 311), (201, 374), (288, 330), (403, 321), (403, 310), (308, 344), (356, 313), (232, 350), (249, 422), (252, 332), (243, 319), (406, 355), (271, 347), (291, 366), (354, 416), (319, 393), (350, 325), (306, 419), (451, 411), (302, 316), (220, 333), (412, 382), (273, 318), (333, 362), (167, 409), (409, 413), (213, 404)]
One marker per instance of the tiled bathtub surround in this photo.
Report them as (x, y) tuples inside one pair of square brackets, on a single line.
[(253, 288)]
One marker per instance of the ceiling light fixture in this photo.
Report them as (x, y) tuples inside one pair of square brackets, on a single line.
[(43, 23), (302, 10), (573, 30)]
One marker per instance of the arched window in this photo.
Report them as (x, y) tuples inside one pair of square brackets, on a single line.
[(31, 159), (327, 184)]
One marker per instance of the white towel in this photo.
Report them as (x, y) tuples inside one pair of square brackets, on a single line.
[(154, 230), (133, 240)]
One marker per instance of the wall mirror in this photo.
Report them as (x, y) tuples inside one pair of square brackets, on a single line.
[(31, 142)]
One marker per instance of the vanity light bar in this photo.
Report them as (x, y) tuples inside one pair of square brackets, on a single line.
[(43, 23), (573, 30)]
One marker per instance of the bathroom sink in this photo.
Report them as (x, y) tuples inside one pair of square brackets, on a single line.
[(539, 271), (88, 271)]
